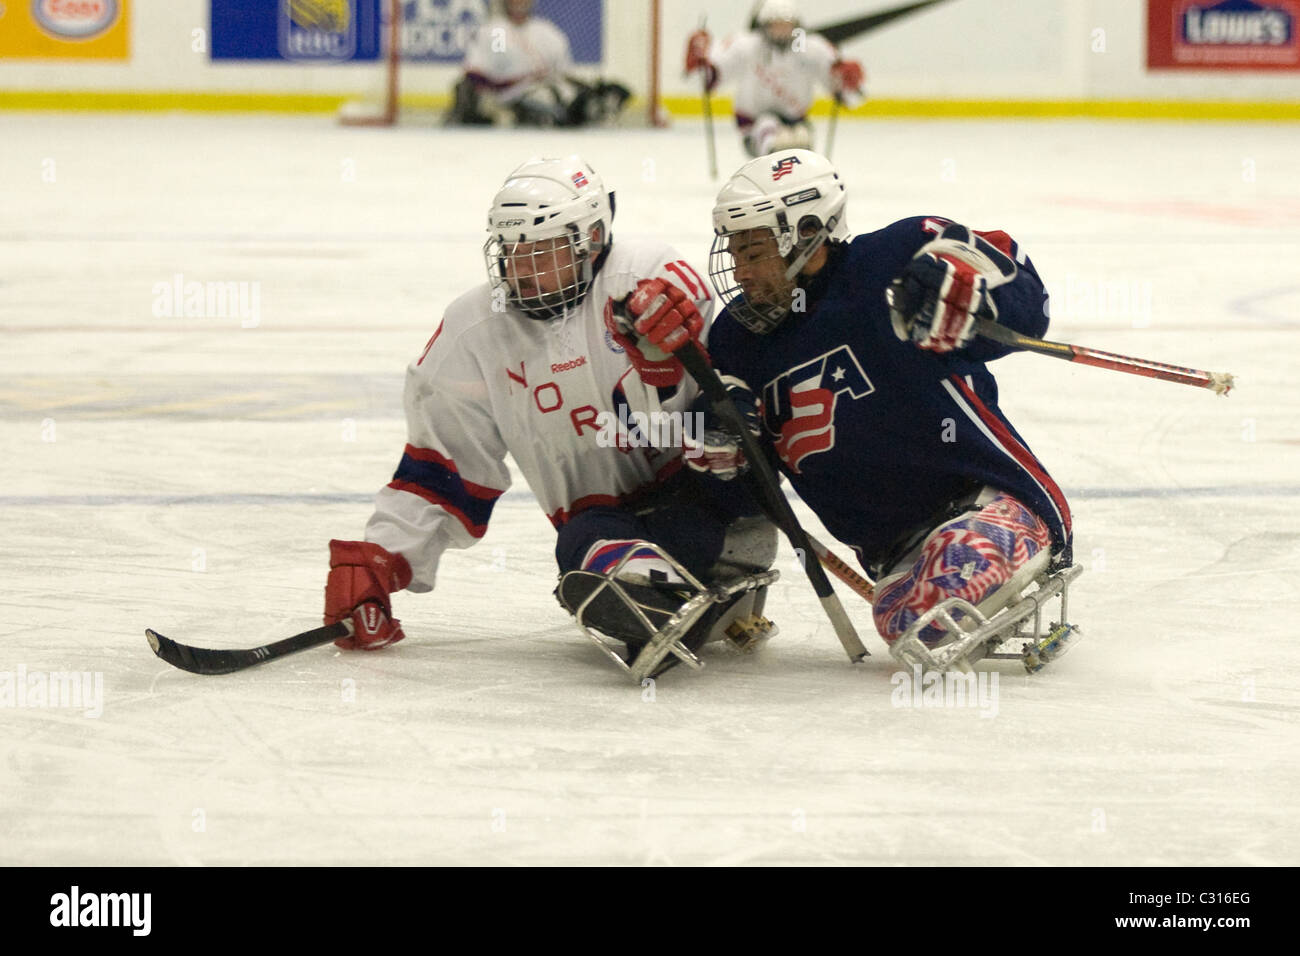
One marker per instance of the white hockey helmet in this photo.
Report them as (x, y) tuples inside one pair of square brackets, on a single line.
[(772, 10), (548, 230), (797, 196), (777, 20)]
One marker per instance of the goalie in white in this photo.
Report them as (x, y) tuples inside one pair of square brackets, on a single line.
[(536, 363), (776, 69), (519, 71)]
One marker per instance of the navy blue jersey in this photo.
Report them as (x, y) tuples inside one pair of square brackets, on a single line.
[(875, 434)]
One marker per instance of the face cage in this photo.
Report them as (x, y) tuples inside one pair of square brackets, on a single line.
[(758, 318), (541, 305)]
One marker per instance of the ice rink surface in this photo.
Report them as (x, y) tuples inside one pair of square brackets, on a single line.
[(186, 473)]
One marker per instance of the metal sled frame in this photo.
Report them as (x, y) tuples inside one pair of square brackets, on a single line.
[(979, 636), (667, 639)]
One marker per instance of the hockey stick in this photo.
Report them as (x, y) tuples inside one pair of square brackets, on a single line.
[(207, 660), (843, 570), (830, 126), (708, 133), (831, 561), (697, 364), (1220, 383), (708, 118)]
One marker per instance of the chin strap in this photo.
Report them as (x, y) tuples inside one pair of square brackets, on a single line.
[(809, 245)]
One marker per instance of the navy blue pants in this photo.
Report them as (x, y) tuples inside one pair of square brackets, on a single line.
[(688, 517)]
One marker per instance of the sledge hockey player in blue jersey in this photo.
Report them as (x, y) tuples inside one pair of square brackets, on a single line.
[(531, 364), (856, 362)]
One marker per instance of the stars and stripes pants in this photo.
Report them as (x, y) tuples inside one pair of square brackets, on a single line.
[(970, 557)]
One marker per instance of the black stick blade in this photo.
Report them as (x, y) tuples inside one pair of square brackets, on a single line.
[(207, 660)]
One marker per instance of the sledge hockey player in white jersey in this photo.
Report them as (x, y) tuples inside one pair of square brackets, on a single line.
[(519, 70), (534, 364), (776, 69), (856, 362)]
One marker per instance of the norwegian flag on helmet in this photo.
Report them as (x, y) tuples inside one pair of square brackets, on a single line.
[(579, 179), (784, 167)]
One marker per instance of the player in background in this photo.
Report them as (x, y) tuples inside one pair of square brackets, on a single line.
[(519, 71), (775, 69), (532, 363), (856, 362)]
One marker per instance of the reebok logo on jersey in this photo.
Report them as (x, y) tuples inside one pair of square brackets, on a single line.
[(799, 405), (580, 361), (784, 167)]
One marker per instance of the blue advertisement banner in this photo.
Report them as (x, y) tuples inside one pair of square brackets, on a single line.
[(309, 31), (438, 31)]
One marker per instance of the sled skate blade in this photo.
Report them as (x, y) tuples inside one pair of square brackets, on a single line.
[(743, 625), (746, 633), (1059, 640)]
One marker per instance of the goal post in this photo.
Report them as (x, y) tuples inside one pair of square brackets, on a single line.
[(422, 45)]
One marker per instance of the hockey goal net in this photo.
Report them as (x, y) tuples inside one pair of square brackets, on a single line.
[(422, 44)]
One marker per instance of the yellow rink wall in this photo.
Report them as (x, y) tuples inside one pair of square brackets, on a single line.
[(682, 106)]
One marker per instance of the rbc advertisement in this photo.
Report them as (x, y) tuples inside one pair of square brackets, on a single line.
[(434, 31)]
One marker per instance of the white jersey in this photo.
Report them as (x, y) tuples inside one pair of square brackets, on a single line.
[(770, 79), (492, 383), (513, 58)]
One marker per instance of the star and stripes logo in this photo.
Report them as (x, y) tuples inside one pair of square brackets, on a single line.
[(799, 405), (969, 557), (784, 167)]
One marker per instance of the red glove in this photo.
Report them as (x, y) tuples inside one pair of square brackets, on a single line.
[(697, 50), (362, 575), (664, 319), (846, 78)]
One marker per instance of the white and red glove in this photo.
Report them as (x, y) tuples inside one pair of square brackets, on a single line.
[(948, 285), (847, 77), (654, 321), (717, 450), (697, 50), (362, 575), (697, 57)]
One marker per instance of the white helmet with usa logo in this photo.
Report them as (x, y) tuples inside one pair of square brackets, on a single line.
[(548, 234), (768, 221)]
